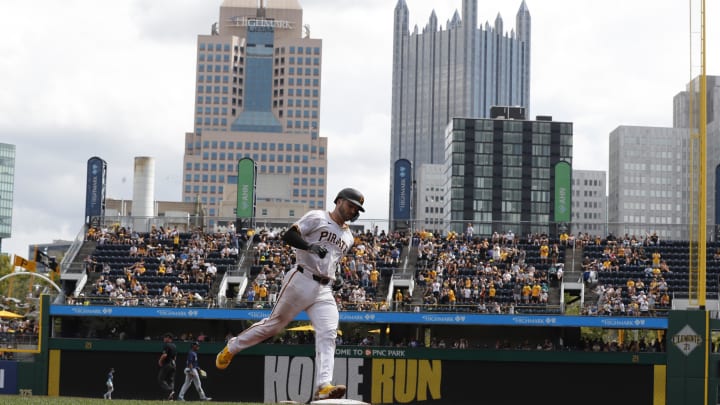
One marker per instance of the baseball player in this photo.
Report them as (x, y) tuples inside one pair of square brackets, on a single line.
[(192, 374), (109, 384), (166, 362), (321, 239)]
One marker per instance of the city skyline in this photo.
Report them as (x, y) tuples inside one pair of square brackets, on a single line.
[(439, 73), (116, 80)]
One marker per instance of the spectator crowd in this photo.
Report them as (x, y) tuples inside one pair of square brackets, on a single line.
[(163, 267), (502, 273)]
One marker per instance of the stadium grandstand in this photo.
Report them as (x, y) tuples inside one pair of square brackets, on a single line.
[(415, 272)]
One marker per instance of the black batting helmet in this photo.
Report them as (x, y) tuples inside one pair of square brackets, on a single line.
[(353, 196)]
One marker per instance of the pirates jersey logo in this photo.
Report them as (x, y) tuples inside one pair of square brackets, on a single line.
[(333, 238)]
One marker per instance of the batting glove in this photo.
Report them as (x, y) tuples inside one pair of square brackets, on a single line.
[(318, 250)]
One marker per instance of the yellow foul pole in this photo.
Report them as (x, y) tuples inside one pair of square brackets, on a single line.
[(703, 190), (702, 198), (692, 168)]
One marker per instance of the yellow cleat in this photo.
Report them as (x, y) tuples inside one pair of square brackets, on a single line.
[(222, 361), (329, 391)]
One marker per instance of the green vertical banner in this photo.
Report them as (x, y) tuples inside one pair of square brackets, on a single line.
[(246, 188), (688, 351), (563, 191)]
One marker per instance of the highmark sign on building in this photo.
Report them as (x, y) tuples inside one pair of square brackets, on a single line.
[(242, 21)]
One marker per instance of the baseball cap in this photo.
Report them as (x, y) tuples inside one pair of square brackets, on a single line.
[(196, 343), (168, 335)]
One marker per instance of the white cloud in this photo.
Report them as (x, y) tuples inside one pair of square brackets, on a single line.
[(85, 78), (360, 160)]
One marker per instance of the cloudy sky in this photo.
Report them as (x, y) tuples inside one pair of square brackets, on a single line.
[(115, 79)]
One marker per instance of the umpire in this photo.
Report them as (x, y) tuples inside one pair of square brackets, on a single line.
[(166, 362)]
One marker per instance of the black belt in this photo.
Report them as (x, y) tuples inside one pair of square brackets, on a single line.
[(321, 280)]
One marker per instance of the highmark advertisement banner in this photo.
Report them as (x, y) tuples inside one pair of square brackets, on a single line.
[(422, 318), (403, 189), (95, 187)]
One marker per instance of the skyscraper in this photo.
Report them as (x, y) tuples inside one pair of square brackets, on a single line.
[(508, 174), (589, 202), (649, 181), (458, 71), (681, 119), (7, 181), (258, 97)]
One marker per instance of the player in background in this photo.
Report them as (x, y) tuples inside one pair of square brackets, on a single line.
[(321, 239), (166, 376), (109, 384), (192, 374)]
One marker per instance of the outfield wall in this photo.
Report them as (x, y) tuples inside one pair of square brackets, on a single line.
[(379, 375), (384, 375)]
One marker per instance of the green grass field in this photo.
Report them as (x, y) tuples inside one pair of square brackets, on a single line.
[(41, 400)]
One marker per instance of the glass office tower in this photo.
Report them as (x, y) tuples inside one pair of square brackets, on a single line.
[(7, 181), (503, 175)]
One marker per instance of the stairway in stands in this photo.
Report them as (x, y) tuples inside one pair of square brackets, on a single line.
[(88, 248), (408, 260), (573, 263), (405, 267), (572, 275)]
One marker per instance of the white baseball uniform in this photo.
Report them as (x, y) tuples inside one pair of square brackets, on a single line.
[(308, 287)]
